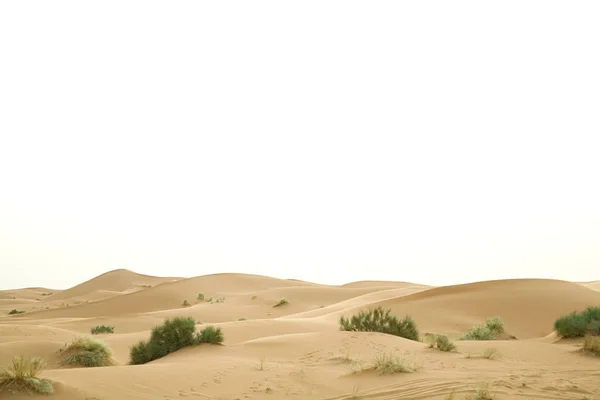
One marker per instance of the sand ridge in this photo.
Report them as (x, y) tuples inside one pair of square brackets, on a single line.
[(297, 350)]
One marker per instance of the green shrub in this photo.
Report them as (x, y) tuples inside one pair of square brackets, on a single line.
[(389, 363), (15, 311), (22, 376), (172, 335), (210, 335), (380, 320), (200, 296), (579, 324), (103, 329), (87, 352), (493, 327), (444, 344), (281, 302), (208, 299)]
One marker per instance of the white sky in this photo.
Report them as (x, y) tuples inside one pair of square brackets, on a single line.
[(438, 142)]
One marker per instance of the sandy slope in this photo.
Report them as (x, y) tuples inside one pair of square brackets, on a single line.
[(296, 350)]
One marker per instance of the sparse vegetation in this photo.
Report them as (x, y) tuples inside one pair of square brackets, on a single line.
[(490, 353), (15, 311), (493, 326), (185, 303), (208, 299), (242, 319), (441, 342), (380, 320), (103, 329), (591, 344), (87, 352), (253, 298), (200, 296), (281, 302), (173, 335), (389, 363), (579, 324), (22, 376), (220, 300)]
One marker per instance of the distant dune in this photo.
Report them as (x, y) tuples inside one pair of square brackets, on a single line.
[(296, 350)]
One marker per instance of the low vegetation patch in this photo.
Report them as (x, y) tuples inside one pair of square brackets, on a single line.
[(441, 342), (493, 327), (15, 311), (103, 329), (591, 344), (172, 335), (185, 303), (281, 302), (87, 352), (490, 353), (200, 296), (389, 363), (22, 376), (380, 320), (579, 324)]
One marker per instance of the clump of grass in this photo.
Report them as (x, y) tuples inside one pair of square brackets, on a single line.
[(87, 352), (200, 296), (210, 335), (253, 298), (15, 311), (441, 342), (490, 353), (389, 363), (482, 392), (242, 319), (380, 320), (281, 302), (493, 326), (103, 329), (22, 376), (220, 300), (172, 335), (185, 303), (208, 299), (591, 344), (579, 324)]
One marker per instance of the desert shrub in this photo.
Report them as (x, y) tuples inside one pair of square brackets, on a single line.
[(220, 300), (493, 326), (200, 296), (579, 324), (210, 335), (208, 299), (380, 320), (103, 329), (15, 311), (389, 363), (22, 375), (242, 319), (444, 344), (172, 335), (87, 352), (591, 344), (281, 302), (185, 303), (490, 353)]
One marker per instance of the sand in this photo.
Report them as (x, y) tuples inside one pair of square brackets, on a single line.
[(296, 351)]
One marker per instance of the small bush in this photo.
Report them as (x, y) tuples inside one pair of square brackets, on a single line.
[(87, 352), (493, 327), (22, 375), (441, 342), (591, 344), (490, 353), (220, 300), (103, 329), (379, 320), (15, 311), (242, 319), (185, 303), (208, 299), (281, 302), (579, 324), (200, 296), (210, 335), (173, 335), (389, 363)]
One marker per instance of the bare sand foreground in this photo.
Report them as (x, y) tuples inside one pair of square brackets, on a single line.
[(297, 351)]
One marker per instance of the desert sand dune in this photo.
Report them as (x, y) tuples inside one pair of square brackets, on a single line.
[(296, 350), (595, 285)]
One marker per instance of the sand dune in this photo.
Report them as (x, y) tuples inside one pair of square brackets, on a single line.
[(296, 350)]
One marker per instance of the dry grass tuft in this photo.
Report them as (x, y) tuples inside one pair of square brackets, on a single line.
[(22, 376)]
